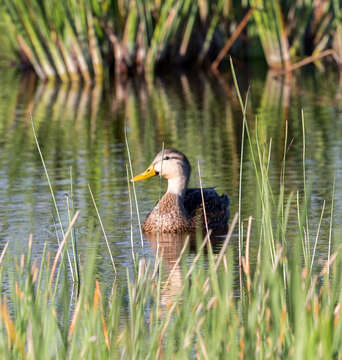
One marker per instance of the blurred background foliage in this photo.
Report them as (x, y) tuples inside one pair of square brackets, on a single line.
[(76, 39)]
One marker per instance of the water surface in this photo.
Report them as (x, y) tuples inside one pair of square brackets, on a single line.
[(81, 131)]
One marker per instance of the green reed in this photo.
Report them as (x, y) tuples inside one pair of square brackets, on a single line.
[(70, 40), (74, 40), (283, 310)]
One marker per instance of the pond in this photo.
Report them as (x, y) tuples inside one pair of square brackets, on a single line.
[(81, 131)]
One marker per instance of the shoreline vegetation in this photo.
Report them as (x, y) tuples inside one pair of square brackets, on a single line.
[(77, 40), (287, 304)]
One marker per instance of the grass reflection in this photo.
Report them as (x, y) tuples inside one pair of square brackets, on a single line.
[(82, 127)]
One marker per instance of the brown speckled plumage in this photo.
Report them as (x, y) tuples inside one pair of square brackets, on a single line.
[(181, 209), (169, 215), (183, 215)]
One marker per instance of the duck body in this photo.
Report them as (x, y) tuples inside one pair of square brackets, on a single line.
[(180, 210), (174, 214), (169, 215)]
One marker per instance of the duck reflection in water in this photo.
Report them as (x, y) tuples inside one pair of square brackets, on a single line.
[(169, 247)]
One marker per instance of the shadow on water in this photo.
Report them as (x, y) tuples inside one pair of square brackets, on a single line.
[(81, 132)]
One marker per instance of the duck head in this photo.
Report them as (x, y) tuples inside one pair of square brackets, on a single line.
[(172, 165)]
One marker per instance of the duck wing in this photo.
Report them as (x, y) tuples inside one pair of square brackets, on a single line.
[(216, 207)]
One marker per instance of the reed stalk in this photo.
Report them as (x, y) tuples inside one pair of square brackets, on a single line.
[(269, 20), (74, 44), (94, 48), (211, 29), (161, 32), (130, 31), (190, 23), (20, 14)]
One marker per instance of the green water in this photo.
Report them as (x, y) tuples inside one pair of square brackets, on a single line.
[(81, 133)]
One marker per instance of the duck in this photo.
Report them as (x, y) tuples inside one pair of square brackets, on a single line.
[(180, 210)]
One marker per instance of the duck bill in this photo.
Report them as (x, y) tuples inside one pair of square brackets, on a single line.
[(149, 172)]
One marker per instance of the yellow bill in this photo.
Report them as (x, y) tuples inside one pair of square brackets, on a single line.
[(149, 172)]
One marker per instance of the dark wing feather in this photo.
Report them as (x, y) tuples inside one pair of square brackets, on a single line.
[(216, 207)]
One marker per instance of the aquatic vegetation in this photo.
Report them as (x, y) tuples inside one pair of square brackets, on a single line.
[(73, 40), (289, 30), (276, 298)]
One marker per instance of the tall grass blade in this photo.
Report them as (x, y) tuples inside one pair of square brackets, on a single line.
[(134, 192), (131, 210), (51, 192), (331, 225), (61, 248), (103, 230), (317, 236)]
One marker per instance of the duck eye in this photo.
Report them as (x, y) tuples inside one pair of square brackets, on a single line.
[(166, 158)]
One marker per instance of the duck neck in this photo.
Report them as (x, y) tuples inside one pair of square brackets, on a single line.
[(177, 186)]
